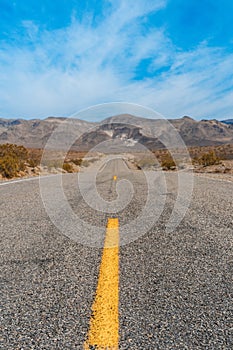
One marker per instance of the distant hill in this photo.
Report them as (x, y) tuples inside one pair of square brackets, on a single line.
[(33, 133), (228, 121), (127, 128)]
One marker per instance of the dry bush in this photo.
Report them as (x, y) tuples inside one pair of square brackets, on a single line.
[(77, 161), (167, 163), (13, 159), (32, 162), (9, 167), (68, 167), (35, 156), (19, 152), (208, 159)]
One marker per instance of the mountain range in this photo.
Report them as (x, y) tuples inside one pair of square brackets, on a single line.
[(34, 133), (228, 121)]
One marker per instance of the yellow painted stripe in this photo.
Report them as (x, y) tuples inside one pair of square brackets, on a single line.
[(114, 177), (104, 325)]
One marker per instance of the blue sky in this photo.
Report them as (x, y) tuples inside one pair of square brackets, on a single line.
[(175, 56)]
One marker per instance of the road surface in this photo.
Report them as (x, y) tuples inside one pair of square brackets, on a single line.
[(175, 289)]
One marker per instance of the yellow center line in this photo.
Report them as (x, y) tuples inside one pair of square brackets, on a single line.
[(104, 324)]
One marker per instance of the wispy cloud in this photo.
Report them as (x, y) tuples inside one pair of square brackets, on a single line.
[(60, 71)]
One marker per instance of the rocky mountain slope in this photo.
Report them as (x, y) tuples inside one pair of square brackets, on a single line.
[(130, 129)]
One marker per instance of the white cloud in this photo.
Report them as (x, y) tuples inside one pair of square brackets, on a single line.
[(72, 68)]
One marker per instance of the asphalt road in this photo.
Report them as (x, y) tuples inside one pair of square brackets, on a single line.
[(175, 288)]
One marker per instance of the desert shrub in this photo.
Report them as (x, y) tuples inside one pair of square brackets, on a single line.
[(68, 167), (194, 160), (18, 152), (13, 159), (9, 166), (167, 163), (77, 161), (33, 162), (34, 158), (209, 158)]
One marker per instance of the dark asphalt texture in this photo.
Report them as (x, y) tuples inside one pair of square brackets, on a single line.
[(175, 288)]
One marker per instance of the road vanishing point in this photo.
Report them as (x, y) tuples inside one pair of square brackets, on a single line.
[(164, 290)]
